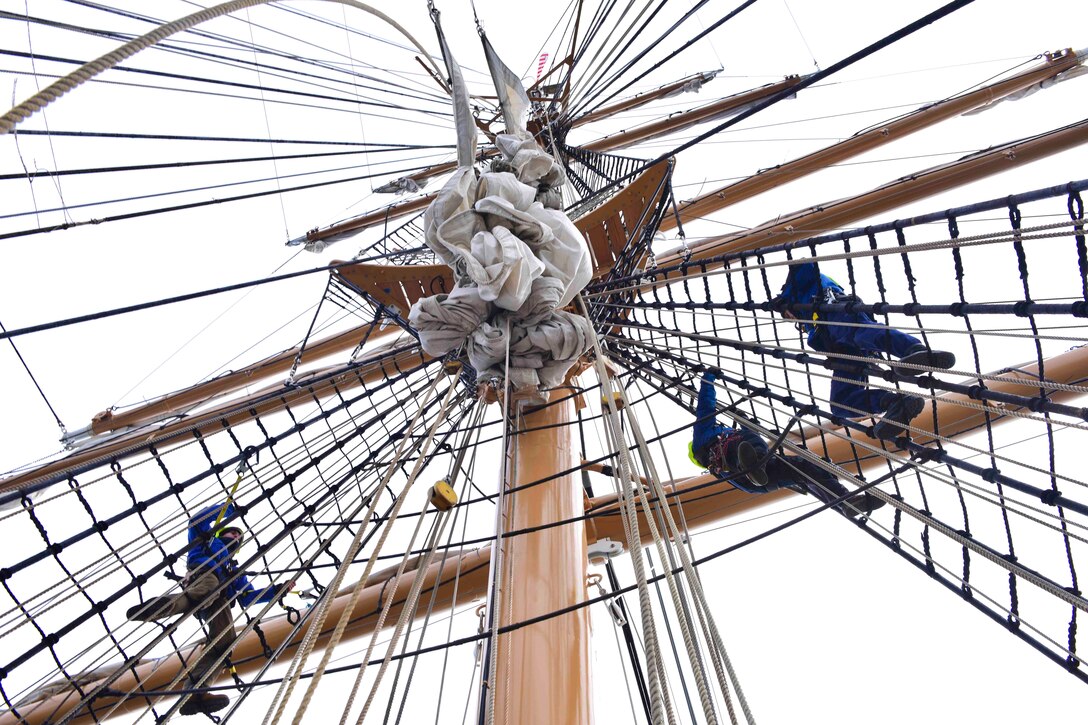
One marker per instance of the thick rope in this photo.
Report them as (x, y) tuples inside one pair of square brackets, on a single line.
[(295, 671), (87, 71), (408, 611), (702, 607), (624, 478), (345, 617)]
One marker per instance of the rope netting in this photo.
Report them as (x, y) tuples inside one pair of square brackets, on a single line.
[(982, 486), (286, 475), (983, 494)]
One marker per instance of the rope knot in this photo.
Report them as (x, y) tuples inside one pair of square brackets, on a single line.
[(1050, 498)]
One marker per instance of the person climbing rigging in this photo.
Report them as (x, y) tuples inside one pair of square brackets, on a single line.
[(859, 335), (724, 451), (210, 567)]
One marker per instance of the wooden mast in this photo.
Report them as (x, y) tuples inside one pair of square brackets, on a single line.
[(543, 673)]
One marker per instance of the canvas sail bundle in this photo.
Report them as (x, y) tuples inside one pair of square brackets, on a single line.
[(516, 259)]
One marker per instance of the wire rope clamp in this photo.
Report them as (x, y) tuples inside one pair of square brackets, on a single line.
[(615, 396), (443, 497)]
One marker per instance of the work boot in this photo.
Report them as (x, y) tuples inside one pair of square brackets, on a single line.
[(901, 410), (747, 460), (203, 704), (150, 610), (861, 504), (922, 355)]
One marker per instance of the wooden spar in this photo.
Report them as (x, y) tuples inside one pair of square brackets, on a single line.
[(229, 413), (716, 200), (956, 420), (626, 138), (379, 216), (681, 121), (838, 214), (704, 502), (543, 672), (641, 99), (922, 118), (279, 364), (394, 287)]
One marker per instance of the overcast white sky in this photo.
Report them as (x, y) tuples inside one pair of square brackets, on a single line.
[(824, 624)]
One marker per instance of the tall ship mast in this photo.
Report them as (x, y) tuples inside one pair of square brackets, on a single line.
[(466, 364)]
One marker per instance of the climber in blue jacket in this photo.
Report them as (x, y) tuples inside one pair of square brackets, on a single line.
[(741, 456), (858, 335), (212, 583)]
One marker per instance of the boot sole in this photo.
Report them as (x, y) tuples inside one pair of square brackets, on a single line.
[(911, 409), (193, 706), (861, 505), (930, 358), (747, 457)]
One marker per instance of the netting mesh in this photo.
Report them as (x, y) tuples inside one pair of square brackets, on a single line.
[(68, 586), (989, 509), (992, 511)]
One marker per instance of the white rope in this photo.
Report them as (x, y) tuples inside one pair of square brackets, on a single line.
[(624, 481), (87, 71), (295, 671), (960, 242), (706, 618), (408, 611), (345, 616), (1011, 567), (498, 549)]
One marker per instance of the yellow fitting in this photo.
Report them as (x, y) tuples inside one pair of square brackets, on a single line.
[(616, 397), (452, 367), (443, 497)]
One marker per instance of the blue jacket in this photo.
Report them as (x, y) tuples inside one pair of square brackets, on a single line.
[(212, 555), (805, 285), (707, 428)]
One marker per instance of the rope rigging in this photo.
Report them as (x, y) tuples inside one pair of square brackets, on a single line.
[(313, 481)]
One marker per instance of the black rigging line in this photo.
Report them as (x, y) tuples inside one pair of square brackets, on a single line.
[(599, 87), (68, 207), (616, 54), (182, 164), (235, 96), (387, 41), (865, 52), (26, 367), (595, 25), (231, 139), (194, 205), (231, 84), (736, 11), (221, 39), (6, 335), (230, 61)]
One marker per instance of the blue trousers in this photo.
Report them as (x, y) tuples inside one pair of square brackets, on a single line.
[(849, 390)]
